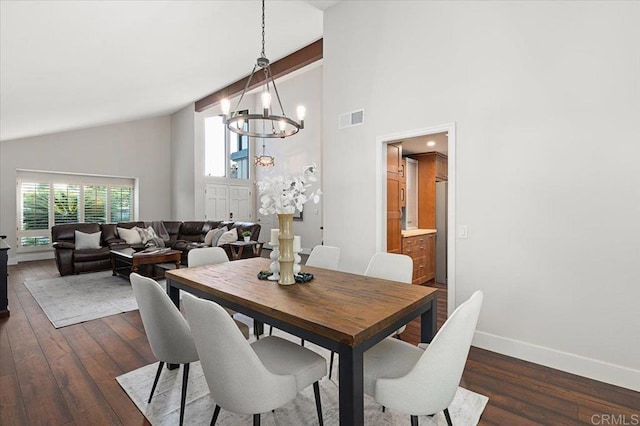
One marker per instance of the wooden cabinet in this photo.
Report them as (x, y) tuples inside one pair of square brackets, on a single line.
[(442, 167), (432, 168), (394, 198), (421, 248)]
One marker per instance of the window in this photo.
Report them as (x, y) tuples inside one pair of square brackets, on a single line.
[(121, 204), (226, 153), (47, 199)]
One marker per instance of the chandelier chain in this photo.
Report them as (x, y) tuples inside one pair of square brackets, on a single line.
[(263, 55)]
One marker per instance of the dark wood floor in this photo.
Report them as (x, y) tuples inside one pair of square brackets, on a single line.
[(66, 376)]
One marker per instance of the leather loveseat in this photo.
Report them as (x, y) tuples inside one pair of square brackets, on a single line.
[(183, 236)]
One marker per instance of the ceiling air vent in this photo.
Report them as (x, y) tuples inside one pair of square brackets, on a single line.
[(351, 119)]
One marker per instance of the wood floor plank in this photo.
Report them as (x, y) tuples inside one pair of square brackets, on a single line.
[(119, 350), (122, 327), (84, 399), (12, 410), (42, 398), (81, 341), (7, 366), (104, 370)]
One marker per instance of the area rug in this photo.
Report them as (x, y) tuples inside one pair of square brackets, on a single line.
[(77, 298), (164, 409)]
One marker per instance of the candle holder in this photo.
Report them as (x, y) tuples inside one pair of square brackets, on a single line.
[(275, 265), (296, 261)]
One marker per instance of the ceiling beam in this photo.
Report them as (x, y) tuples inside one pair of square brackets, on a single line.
[(298, 59)]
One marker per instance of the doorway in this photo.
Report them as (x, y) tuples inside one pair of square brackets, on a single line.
[(415, 144)]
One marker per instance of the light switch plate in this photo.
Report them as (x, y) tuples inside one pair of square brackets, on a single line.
[(463, 231)]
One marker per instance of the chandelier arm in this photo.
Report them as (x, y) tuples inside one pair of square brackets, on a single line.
[(272, 118), (235, 112), (275, 89)]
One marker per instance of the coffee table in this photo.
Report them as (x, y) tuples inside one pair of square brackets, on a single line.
[(126, 261), (237, 248)]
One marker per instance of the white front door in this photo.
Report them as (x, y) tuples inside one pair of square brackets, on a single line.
[(240, 204), (216, 202)]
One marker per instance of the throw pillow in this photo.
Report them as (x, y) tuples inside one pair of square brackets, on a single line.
[(87, 241), (228, 237), (212, 237), (147, 234), (131, 236)]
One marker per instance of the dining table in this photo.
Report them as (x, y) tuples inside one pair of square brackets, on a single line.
[(343, 312)]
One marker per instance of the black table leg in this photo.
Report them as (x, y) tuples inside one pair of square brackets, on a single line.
[(351, 397), (429, 323), (258, 329), (174, 295)]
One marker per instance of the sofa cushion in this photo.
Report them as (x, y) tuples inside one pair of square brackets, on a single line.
[(230, 236), (67, 232), (87, 241), (212, 237), (131, 236), (147, 234), (109, 233), (89, 255)]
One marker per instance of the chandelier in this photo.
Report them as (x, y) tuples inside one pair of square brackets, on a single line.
[(264, 160), (274, 126)]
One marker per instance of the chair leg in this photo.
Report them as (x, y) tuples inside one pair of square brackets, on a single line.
[(216, 411), (256, 420), (270, 330), (331, 364), (155, 382), (414, 420), (448, 417), (316, 392), (185, 380), (301, 342), (383, 408)]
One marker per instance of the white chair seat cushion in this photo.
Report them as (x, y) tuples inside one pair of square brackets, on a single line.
[(283, 357), (389, 359)]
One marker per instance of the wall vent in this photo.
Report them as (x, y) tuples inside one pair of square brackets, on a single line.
[(350, 119)]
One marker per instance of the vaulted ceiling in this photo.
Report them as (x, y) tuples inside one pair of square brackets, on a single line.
[(76, 64)]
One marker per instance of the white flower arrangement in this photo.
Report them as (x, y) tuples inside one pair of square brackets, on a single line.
[(282, 194)]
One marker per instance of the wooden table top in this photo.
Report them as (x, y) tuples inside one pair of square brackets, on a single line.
[(344, 307)]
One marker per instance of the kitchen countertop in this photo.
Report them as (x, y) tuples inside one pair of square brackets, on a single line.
[(415, 232)]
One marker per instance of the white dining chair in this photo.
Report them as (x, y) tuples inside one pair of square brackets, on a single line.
[(249, 378), (206, 256), (393, 267), (417, 382), (167, 331), (327, 257), (213, 256)]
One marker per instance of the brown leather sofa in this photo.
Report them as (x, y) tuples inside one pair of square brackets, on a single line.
[(184, 236)]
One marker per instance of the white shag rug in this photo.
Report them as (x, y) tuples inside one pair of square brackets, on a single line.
[(164, 409), (77, 298)]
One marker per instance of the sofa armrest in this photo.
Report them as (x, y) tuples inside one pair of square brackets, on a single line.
[(64, 245)]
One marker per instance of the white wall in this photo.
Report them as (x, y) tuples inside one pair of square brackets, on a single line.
[(293, 153), (545, 97), (183, 175), (137, 149)]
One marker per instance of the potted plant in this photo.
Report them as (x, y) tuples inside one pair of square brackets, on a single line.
[(247, 236)]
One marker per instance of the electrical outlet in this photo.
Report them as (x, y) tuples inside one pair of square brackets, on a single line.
[(463, 231)]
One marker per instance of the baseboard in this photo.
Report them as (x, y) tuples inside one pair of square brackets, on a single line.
[(26, 257), (571, 363)]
